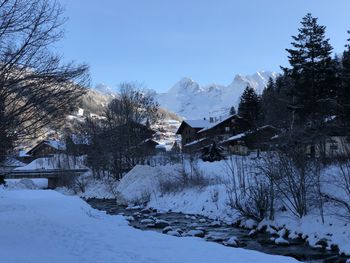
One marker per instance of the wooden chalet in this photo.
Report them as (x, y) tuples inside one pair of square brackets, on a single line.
[(256, 140), (329, 142), (196, 134), (148, 147), (47, 148), (224, 128), (189, 129)]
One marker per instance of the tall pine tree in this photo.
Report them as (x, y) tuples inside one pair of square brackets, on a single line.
[(232, 110), (249, 106), (344, 89), (312, 72)]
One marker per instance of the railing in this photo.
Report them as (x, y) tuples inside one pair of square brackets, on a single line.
[(51, 173)]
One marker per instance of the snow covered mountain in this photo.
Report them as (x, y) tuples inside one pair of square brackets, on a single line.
[(192, 101)]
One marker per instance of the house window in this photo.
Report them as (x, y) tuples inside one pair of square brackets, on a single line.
[(334, 147), (227, 129)]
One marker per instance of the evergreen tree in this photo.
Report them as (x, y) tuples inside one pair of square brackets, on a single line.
[(232, 110), (344, 90), (312, 71), (212, 153), (274, 102), (249, 106)]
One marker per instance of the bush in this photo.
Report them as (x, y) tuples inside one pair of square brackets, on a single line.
[(2, 180), (183, 180), (212, 153)]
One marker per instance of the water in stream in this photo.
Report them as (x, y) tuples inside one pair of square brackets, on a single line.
[(179, 224)]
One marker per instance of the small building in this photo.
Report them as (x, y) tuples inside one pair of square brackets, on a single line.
[(148, 147), (47, 148), (189, 129), (224, 128), (197, 134), (329, 141), (332, 146)]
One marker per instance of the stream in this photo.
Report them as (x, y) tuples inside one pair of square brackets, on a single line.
[(179, 224)]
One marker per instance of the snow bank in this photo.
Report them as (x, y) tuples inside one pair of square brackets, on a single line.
[(209, 201), (137, 185), (26, 183), (46, 226), (141, 185)]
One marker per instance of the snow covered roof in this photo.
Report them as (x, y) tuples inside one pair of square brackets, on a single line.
[(242, 135), (198, 123), (214, 124), (205, 125), (23, 153), (58, 145), (81, 139), (149, 140), (12, 162), (235, 137), (195, 142)]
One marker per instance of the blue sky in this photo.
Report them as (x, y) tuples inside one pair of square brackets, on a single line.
[(157, 42)]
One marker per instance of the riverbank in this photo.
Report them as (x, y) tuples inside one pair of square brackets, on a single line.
[(46, 226), (185, 225), (157, 188)]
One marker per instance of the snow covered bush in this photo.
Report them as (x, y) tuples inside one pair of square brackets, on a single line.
[(138, 184)]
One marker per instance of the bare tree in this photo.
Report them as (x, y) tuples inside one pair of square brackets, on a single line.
[(127, 121), (268, 168), (36, 89), (247, 188), (340, 197), (296, 181)]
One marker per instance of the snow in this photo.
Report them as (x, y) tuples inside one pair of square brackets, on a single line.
[(142, 185), (232, 241), (26, 183), (46, 226), (217, 122), (198, 123), (196, 141), (23, 153), (137, 185), (281, 241), (12, 162), (190, 100), (56, 144), (235, 137), (57, 161)]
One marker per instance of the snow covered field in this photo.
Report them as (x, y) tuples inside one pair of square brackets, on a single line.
[(47, 226)]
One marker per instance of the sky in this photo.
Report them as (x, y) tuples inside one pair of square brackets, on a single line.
[(158, 42)]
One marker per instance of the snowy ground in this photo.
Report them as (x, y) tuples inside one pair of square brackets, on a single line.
[(143, 185), (47, 226)]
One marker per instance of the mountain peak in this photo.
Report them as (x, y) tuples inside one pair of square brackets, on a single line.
[(192, 101), (104, 89)]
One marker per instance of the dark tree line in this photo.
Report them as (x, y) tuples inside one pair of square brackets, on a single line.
[(313, 90), (36, 89), (309, 102)]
